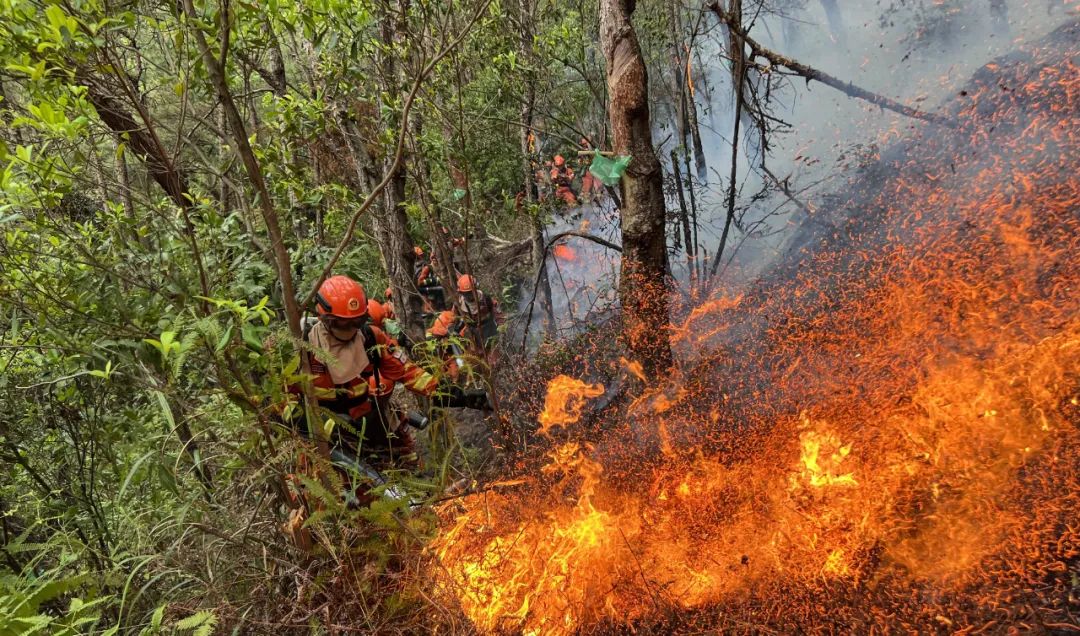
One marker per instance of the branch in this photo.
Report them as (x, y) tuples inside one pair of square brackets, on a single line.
[(111, 111), (543, 268), (809, 73), (588, 237)]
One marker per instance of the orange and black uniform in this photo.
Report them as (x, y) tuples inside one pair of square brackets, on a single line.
[(428, 283), (365, 399)]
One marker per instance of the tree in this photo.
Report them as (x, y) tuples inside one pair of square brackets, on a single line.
[(643, 284)]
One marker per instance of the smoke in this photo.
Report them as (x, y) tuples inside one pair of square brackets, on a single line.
[(581, 274), (917, 52)]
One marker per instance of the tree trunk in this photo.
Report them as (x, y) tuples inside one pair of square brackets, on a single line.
[(391, 223), (281, 260), (836, 21), (643, 284), (528, 170)]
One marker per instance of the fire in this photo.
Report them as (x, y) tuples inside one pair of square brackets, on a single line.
[(564, 253), (822, 455), (565, 399), (883, 437)]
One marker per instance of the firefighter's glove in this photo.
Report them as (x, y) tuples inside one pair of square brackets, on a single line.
[(455, 397), (477, 399), (449, 397)]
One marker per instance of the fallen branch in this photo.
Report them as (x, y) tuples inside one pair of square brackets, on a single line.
[(810, 73), (543, 268)]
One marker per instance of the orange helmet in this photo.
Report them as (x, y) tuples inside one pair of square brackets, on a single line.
[(341, 296), (377, 312), (560, 161), (389, 293), (418, 251), (466, 283), (441, 327)]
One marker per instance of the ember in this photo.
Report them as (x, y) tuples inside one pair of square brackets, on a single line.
[(888, 437), (564, 252)]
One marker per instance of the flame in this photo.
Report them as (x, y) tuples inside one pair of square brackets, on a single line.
[(822, 454), (886, 439), (565, 400)]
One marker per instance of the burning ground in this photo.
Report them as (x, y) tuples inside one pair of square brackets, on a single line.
[(882, 434)]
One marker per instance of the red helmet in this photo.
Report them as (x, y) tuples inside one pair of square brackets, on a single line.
[(560, 161), (466, 283), (377, 312), (341, 296), (441, 327)]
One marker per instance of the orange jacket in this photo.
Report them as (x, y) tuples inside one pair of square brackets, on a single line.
[(355, 398)]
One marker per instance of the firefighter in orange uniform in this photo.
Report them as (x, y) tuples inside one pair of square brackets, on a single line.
[(355, 372), (445, 325), (382, 316), (478, 311), (562, 179), (427, 282)]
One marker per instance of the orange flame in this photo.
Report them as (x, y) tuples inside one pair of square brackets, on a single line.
[(565, 400)]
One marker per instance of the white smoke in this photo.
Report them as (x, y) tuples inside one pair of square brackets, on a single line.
[(917, 52)]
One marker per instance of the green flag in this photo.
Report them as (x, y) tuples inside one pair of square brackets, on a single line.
[(608, 171)]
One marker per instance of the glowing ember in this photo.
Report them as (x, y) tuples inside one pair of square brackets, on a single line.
[(564, 253)]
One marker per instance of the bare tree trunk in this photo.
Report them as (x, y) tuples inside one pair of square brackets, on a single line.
[(125, 185), (391, 224), (528, 171), (643, 285), (224, 191)]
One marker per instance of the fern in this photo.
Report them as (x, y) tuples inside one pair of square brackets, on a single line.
[(201, 623)]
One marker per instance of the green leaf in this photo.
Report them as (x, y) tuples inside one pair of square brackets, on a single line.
[(224, 341), (291, 367), (202, 622), (250, 335), (134, 469), (165, 409)]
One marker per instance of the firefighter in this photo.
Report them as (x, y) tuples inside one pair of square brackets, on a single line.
[(441, 334), (427, 282), (562, 179), (390, 302), (355, 373), (478, 311), (381, 315)]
